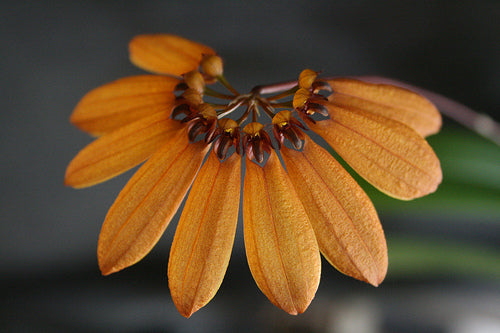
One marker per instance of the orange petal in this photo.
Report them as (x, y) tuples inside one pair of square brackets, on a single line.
[(117, 152), (145, 206), (345, 222), (281, 248), (204, 237), (124, 101), (391, 156), (166, 54), (389, 101)]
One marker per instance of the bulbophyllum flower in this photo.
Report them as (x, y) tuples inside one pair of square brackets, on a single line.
[(176, 120)]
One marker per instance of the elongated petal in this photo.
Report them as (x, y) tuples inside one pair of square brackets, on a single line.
[(481, 123), (124, 101), (391, 156), (145, 206), (345, 222), (281, 248), (204, 237), (389, 101), (166, 54), (117, 152)]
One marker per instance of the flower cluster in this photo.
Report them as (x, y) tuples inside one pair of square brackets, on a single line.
[(177, 119)]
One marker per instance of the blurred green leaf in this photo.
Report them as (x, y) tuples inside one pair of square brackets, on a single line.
[(432, 257), (467, 158)]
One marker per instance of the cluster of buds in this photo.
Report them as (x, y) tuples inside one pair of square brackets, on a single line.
[(210, 119)]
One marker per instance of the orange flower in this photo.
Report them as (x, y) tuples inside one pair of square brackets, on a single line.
[(289, 216)]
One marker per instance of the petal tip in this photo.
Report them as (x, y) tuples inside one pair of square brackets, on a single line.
[(105, 271), (108, 268), (186, 310), (67, 182), (300, 310), (382, 272), (186, 313), (68, 176), (68, 179), (377, 282), (375, 278), (105, 266), (72, 180)]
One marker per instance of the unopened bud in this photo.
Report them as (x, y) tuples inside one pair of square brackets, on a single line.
[(207, 111), (282, 118), (228, 125), (212, 65), (256, 141), (195, 81), (253, 128), (285, 126), (192, 96), (306, 78), (300, 98)]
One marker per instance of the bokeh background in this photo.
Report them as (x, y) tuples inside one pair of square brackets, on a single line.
[(444, 272)]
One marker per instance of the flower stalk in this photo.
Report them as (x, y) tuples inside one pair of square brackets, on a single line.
[(226, 84)]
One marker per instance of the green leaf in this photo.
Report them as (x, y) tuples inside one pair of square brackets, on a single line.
[(417, 257)]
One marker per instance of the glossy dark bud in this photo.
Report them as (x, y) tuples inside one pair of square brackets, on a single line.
[(318, 108), (318, 86), (180, 109)]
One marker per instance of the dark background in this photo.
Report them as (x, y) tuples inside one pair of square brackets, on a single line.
[(444, 256)]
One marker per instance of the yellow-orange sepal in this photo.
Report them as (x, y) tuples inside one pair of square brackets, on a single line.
[(166, 54), (118, 151), (345, 222), (389, 101), (281, 248), (388, 154), (121, 102), (204, 237), (145, 206)]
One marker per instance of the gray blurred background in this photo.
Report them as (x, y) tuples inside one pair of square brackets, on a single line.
[(444, 271)]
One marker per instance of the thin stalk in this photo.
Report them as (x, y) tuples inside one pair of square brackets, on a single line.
[(288, 104), (226, 84), (213, 93), (231, 107), (244, 116), (254, 115), (285, 93), (268, 111), (218, 106), (275, 88)]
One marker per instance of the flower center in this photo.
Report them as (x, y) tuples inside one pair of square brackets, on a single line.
[(207, 111)]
